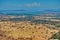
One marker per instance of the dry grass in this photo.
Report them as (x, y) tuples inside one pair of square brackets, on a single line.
[(24, 31)]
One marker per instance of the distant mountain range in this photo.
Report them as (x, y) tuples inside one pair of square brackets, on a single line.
[(52, 10), (26, 12), (23, 10)]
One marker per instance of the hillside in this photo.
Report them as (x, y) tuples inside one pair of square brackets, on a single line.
[(24, 31)]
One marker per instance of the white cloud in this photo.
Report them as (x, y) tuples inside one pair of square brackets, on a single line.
[(31, 4)]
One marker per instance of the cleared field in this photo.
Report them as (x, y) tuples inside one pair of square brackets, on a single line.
[(24, 31)]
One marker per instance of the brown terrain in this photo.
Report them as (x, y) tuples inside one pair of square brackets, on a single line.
[(25, 30)]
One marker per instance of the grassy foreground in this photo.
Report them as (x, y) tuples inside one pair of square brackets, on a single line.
[(24, 31)]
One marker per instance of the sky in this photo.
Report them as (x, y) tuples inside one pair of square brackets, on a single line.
[(33, 5)]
